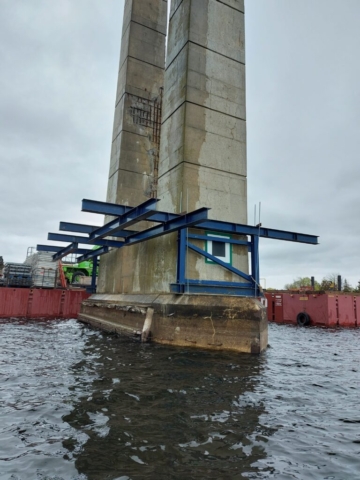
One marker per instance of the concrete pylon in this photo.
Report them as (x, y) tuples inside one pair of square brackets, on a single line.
[(136, 134), (203, 147), (202, 164), (203, 136)]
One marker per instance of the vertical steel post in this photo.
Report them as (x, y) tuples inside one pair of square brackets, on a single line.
[(255, 270), (181, 257), (93, 275)]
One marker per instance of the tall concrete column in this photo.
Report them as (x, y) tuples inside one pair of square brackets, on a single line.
[(203, 138), (202, 164), (136, 135)]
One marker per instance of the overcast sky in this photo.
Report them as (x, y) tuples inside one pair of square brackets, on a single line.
[(58, 75)]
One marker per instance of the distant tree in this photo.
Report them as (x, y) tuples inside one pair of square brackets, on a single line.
[(330, 282), (357, 289), (300, 282), (327, 284), (347, 287)]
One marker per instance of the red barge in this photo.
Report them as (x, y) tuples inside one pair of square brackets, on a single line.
[(322, 309), (36, 303), (311, 308)]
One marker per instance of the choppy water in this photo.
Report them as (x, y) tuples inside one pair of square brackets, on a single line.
[(79, 404)]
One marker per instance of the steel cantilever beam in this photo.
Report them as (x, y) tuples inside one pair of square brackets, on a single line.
[(115, 210), (182, 221), (88, 229), (129, 218), (56, 249), (93, 253), (239, 229), (59, 237)]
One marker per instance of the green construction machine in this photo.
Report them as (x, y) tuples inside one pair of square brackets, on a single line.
[(74, 271)]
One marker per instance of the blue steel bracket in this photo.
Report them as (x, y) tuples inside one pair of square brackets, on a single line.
[(218, 288), (48, 248), (104, 208), (208, 237), (129, 218), (88, 229), (170, 222), (56, 249), (182, 221), (219, 262), (93, 254), (239, 229), (72, 248), (58, 237), (184, 285), (115, 210)]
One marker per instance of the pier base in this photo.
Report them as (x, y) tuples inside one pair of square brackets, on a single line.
[(210, 322)]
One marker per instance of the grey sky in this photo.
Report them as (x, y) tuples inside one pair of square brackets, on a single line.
[(59, 62)]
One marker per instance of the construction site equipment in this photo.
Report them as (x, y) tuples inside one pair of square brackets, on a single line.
[(77, 272), (43, 269), (17, 275), (62, 275)]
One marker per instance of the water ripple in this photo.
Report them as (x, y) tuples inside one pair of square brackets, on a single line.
[(83, 405)]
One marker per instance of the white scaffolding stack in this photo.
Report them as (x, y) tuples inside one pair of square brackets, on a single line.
[(44, 270)]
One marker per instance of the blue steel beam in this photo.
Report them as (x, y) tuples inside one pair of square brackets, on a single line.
[(214, 283), (129, 218), (59, 237), (255, 265), (77, 227), (218, 239), (93, 254), (56, 249), (72, 248), (115, 210), (220, 262), (48, 248), (104, 208), (239, 229), (94, 274), (219, 289), (181, 256), (80, 228), (183, 221)]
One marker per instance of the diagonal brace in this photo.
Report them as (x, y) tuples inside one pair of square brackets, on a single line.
[(135, 215), (220, 262)]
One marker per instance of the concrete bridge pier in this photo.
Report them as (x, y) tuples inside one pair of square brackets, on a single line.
[(198, 161)]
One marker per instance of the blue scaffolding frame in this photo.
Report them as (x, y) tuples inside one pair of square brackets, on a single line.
[(125, 216)]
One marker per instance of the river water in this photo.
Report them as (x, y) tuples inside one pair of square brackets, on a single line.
[(76, 403)]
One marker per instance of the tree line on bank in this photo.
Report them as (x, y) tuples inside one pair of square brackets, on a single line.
[(327, 283)]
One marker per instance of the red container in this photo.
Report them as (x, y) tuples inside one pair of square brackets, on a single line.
[(40, 303), (13, 302), (323, 309)]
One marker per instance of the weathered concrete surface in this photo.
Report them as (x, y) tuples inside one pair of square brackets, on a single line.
[(199, 162), (204, 114), (203, 137), (136, 135), (213, 322)]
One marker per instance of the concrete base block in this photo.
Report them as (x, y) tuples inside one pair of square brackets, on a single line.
[(203, 321)]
